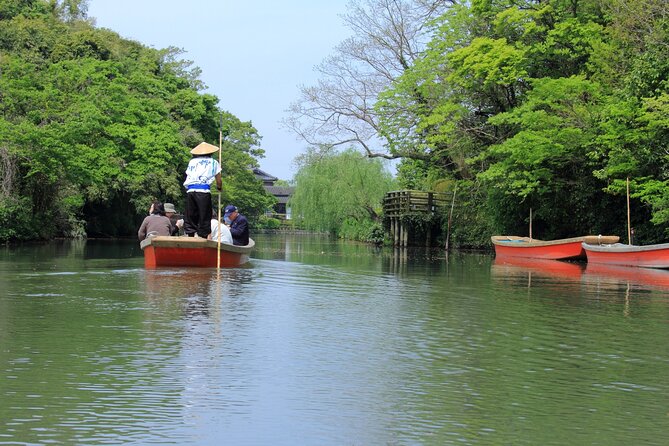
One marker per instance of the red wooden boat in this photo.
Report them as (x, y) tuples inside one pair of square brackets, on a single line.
[(194, 252), (649, 256), (561, 249)]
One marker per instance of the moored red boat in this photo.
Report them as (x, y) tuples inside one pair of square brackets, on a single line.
[(649, 256), (193, 252), (561, 249)]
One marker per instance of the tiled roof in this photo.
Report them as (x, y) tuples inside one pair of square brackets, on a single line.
[(280, 190), (263, 175)]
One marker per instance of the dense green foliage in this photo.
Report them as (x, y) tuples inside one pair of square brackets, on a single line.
[(93, 127), (341, 193), (545, 105)]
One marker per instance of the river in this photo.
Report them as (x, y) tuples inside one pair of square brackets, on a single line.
[(324, 342)]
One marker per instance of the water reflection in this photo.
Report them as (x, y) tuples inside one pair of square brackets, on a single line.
[(623, 276), (193, 291), (327, 343), (541, 271)]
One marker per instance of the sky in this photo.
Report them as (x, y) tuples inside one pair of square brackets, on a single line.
[(254, 54)]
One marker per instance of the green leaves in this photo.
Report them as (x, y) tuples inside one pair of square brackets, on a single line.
[(93, 124), (550, 131), (487, 63), (334, 187)]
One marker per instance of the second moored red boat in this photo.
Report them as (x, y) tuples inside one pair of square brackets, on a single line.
[(619, 254), (561, 249)]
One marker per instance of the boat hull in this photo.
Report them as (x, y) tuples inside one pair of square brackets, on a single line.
[(562, 249), (193, 252), (650, 256)]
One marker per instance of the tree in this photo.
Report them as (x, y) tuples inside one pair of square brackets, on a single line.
[(388, 36), (93, 126), (332, 187), (634, 130)]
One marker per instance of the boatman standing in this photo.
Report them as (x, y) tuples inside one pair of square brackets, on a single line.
[(202, 170)]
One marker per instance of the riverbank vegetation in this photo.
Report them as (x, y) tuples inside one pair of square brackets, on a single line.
[(511, 107), (93, 127), (516, 106), (341, 193)]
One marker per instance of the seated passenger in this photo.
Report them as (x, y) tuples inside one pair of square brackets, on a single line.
[(226, 236), (239, 226), (156, 223)]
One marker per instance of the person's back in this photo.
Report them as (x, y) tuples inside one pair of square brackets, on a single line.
[(202, 170), (156, 223), (226, 236)]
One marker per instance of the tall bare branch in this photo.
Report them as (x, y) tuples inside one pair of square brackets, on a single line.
[(388, 36)]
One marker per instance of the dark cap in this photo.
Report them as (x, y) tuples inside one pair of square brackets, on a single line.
[(229, 209)]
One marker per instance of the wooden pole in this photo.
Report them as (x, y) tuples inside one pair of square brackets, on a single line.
[(220, 149), (530, 224), (450, 216), (629, 227), (430, 210)]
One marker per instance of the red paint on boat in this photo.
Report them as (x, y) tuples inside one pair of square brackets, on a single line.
[(562, 249), (192, 252), (650, 256)]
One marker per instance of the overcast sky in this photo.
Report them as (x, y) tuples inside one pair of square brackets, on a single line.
[(254, 54)]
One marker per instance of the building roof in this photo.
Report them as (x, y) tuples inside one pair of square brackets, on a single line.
[(263, 175), (278, 191)]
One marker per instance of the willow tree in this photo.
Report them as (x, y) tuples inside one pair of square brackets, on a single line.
[(331, 188)]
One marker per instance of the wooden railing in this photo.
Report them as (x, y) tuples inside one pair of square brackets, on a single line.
[(397, 204)]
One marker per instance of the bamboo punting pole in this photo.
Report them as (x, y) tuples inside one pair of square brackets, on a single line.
[(530, 224), (220, 149)]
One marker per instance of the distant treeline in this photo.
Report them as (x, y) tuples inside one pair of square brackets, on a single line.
[(93, 127)]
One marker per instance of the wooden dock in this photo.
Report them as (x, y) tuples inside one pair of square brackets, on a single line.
[(400, 207)]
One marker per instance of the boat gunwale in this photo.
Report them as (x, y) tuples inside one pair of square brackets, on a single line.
[(194, 243), (526, 242), (623, 248)]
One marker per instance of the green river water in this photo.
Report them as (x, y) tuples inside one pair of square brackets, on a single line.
[(322, 342)]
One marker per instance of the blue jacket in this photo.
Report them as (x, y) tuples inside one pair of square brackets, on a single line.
[(240, 230)]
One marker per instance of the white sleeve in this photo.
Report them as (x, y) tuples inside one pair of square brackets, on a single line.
[(214, 230), (226, 235)]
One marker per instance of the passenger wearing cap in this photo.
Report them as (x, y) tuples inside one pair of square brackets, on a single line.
[(171, 213), (202, 170), (239, 226)]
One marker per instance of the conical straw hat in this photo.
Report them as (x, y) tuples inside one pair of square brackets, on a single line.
[(204, 149)]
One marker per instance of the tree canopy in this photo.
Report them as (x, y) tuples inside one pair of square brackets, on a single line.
[(547, 105), (93, 126), (333, 187)]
